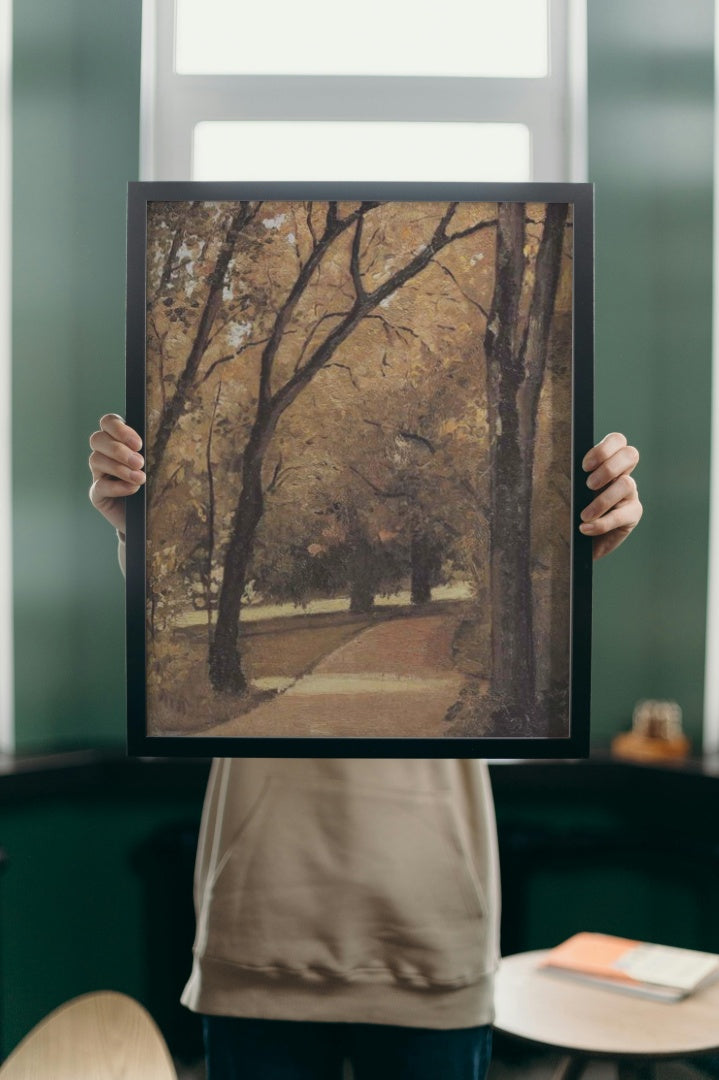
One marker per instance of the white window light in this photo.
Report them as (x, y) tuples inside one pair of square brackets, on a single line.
[(331, 150), (321, 37)]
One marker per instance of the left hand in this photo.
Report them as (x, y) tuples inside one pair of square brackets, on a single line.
[(616, 510)]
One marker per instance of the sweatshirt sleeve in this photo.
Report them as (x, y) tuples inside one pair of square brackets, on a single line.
[(121, 550)]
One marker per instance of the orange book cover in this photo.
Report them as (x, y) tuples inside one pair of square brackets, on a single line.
[(662, 971), (592, 954)]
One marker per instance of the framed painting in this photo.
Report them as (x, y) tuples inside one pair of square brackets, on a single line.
[(364, 408)]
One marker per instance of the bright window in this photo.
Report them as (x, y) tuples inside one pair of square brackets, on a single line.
[(314, 150), (321, 37), (462, 90)]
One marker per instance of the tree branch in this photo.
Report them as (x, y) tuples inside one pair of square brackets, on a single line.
[(169, 265), (355, 262), (473, 229), (361, 308), (313, 331), (362, 209), (169, 482), (440, 232), (296, 244), (161, 356), (466, 296), (310, 226), (391, 326), (333, 228), (280, 475), (231, 356), (275, 473), (349, 372), (368, 247)]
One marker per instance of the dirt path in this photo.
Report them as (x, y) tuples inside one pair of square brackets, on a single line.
[(394, 679)]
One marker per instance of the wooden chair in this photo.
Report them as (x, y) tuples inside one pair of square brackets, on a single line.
[(99, 1036)]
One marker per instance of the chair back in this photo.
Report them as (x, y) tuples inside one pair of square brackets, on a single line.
[(99, 1036)]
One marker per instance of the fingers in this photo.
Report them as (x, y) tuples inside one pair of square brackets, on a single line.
[(117, 429), (112, 459), (616, 510), (622, 490), (625, 514), (620, 524), (116, 466), (613, 527), (609, 459), (105, 489), (603, 450), (114, 452)]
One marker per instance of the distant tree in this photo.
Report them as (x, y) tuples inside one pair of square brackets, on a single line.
[(384, 478)]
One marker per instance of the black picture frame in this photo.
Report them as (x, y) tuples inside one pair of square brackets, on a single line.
[(141, 740)]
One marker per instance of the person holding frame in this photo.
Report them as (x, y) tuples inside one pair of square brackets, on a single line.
[(349, 908)]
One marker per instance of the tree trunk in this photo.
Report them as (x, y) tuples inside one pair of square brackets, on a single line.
[(514, 378), (225, 664), (361, 569), (535, 349), (423, 560), (210, 513), (361, 597), (510, 582)]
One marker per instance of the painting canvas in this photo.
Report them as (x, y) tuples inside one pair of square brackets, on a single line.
[(362, 409)]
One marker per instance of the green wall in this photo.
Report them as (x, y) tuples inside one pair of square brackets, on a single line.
[(75, 146), (650, 156), (76, 90), (77, 896)]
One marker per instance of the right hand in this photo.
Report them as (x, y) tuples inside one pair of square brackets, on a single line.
[(116, 468)]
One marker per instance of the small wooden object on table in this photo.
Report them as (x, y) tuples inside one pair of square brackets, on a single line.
[(656, 734), (586, 1022)]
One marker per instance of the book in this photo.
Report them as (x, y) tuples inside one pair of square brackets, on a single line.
[(660, 972)]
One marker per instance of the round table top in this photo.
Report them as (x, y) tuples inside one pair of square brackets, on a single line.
[(571, 1015)]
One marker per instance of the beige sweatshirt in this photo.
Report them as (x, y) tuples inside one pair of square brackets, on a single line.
[(347, 890)]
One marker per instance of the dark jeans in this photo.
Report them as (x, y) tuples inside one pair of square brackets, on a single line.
[(240, 1049)]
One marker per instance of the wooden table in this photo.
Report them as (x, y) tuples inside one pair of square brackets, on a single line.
[(588, 1022)]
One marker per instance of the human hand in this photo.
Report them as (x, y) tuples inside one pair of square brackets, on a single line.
[(116, 468), (610, 517)]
